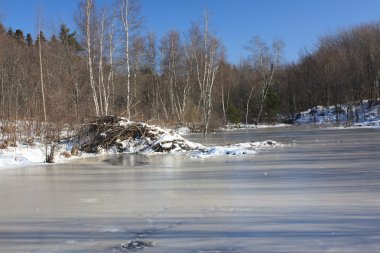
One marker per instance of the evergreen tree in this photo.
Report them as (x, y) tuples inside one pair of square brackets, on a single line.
[(69, 39), (10, 32), (2, 28), (43, 39), (53, 39), (64, 32), (29, 40), (19, 36)]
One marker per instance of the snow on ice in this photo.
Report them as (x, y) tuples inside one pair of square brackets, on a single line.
[(248, 148)]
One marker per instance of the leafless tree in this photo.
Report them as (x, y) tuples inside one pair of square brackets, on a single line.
[(40, 64), (207, 55), (88, 10), (265, 62), (130, 19)]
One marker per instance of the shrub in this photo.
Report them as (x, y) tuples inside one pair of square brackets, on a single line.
[(233, 114)]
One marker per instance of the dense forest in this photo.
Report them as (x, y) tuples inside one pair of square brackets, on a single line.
[(109, 66)]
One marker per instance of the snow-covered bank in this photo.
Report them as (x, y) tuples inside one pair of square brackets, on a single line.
[(363, 114), (117, 135), (25, 155), (232, 127), (21, 155)]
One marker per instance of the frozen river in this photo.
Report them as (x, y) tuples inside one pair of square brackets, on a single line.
[(320, 193)]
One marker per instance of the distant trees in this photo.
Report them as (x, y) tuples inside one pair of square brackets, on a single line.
[(171, 79), (344, 68)]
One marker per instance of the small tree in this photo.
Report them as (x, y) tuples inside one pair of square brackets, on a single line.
[(233, 114), (265, 62), (29, 40), (130, 19)]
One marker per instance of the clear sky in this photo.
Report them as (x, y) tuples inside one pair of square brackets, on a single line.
[(298, 22)]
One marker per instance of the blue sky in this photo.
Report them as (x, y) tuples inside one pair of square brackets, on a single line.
[(298, 22)]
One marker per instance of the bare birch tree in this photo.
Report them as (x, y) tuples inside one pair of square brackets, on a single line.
[(106, 40), (137, 55), (88, 8), (170, 47), (151, 57), (103, 103), (207, 57), (129, 11), (41, 69), (111, 53), (225, 94), (265, 63)]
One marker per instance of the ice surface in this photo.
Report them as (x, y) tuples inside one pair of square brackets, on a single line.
[(310, 197)]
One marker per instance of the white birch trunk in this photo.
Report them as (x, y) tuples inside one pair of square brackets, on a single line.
[(125, 16), (104, 91), (110, 79), (247, 107), (90, 64), (41, 74)]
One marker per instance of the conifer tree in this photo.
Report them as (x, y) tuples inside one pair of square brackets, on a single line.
[(42, 37), (53, 39), (69, 39), (2, 28), (19, 36), (29, 40), (10, 32)]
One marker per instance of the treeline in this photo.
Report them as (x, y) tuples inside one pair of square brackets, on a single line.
[(111, 67), (344, 68), (21, 94)]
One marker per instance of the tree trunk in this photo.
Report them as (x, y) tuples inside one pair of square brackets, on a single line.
[(125, 16), (89, 55), (41, 75), (247, 108)]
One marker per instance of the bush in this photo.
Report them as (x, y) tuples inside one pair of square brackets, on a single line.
[(273, 102), (233, 114)]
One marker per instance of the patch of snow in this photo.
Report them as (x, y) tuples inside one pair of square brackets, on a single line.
[(361, 114), (230, 127), (182, 130), (110, 230), (26, 155), (247, 148), (21, 155)]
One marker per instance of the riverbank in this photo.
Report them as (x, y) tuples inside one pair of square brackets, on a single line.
[(112, 135)]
